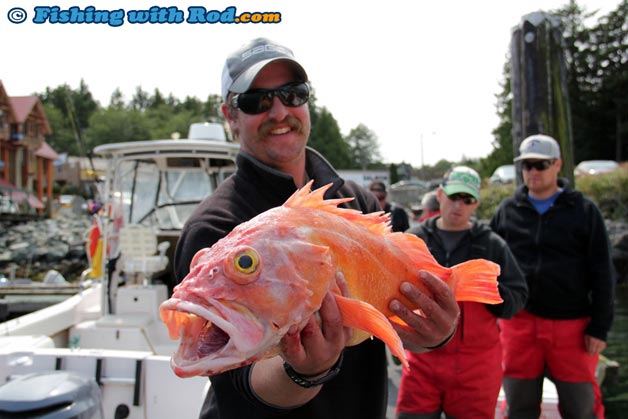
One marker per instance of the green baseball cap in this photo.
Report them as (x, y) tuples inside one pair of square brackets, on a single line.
[(462, 179)]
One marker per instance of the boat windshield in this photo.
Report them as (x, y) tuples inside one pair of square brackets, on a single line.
[(164, 196)]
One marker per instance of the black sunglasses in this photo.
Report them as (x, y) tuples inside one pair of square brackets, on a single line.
[(256, 101), (467, 199), (539, 165)]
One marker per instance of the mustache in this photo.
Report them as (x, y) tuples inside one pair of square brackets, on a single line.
[(289, 120)]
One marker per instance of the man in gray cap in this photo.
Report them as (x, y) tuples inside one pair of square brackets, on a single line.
[(560, 241), (265, 95)]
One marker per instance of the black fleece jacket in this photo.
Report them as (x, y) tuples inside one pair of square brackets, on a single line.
[(564, 254), (360, 389)]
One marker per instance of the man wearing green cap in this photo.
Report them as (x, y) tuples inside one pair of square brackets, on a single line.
[(462, 379)]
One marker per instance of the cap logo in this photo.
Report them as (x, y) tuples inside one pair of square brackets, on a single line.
[(463, 178), (260, 49)]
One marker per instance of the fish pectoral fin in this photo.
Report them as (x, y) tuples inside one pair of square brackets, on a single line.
[(363, 316)]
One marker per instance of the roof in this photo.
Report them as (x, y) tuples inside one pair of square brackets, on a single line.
[(46, 152), (23, 106), (4, 99)]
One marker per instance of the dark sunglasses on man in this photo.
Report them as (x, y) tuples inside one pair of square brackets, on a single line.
[(539, 165), (256, 101), (466, 199)]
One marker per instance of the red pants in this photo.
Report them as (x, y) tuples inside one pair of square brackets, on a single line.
[(463, 385), (532, 344)]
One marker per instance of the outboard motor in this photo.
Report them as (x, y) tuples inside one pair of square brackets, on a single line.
[(51, 395)]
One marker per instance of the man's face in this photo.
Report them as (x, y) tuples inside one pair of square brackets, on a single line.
[(540, 175), (380, 195), (278, 136), (456, 210)]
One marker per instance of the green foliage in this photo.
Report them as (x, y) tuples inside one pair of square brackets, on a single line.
[(609, 191), (436, 171), (211, 108), (63, 138), (392, 172), (325, 137), (490, 197), (68, 114), (363, 147), (117, 125)]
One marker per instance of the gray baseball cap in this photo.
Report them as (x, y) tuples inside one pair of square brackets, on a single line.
[(243, 65), (538, 146)]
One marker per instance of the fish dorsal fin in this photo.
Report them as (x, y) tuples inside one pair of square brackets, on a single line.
[(376, 222)]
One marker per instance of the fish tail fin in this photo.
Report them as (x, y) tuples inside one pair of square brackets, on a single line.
[(476, 280), (363, 316)]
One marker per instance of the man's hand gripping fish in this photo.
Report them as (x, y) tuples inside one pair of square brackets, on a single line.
[(272, 272)]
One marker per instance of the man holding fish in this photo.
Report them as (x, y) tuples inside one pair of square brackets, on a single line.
[(315, 375), (462, 379)]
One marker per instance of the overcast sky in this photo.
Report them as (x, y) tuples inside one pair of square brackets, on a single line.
[(408, 70)]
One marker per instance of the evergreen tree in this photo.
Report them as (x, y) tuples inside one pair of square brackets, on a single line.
[(363, 146), (74, 109), (140, 100), (325, 137), (117, 125), (597, 78), (502, 135)]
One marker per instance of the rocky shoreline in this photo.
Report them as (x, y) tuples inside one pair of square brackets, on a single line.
[(31, 249)]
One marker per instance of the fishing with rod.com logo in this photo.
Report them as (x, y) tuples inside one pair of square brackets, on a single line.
[(91, 15)]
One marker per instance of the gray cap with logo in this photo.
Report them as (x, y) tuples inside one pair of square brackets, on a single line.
[(538, 146), (243, 65)]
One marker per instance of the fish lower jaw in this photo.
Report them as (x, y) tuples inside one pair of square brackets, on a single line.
[(206, 366), (189, 361)]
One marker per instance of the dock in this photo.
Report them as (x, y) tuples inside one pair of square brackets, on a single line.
[(17, 300)]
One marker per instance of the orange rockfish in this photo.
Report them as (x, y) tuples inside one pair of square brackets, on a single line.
[(272, 272)]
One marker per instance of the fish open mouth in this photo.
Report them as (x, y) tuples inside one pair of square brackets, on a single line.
[(212, 339), (201, 337)]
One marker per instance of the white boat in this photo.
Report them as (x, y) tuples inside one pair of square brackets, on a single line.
[(104, 352)]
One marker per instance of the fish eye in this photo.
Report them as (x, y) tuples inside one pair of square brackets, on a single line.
[(243, 265), (246, 261)]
